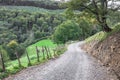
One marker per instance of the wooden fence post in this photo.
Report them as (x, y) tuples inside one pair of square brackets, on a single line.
[(47, 52), (54, 52), (43, 51), (29, 63), (37, 52), (3, 64), (18, 58)]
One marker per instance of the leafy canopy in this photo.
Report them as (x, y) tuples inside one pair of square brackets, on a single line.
[(98, 8), (68, 30)]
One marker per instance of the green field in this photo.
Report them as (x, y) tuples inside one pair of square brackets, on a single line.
[(32, 54)]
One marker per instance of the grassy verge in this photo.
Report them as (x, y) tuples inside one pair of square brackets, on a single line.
[(100, 36), (12, 66)]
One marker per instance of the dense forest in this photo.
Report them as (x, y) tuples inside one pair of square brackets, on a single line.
[(47, 4), (25, 27)]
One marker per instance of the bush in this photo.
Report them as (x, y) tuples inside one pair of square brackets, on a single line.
[(68, 30), (1, 70), (3, 75), (86, 29), (20, 49), (12, 47), (11, 54)]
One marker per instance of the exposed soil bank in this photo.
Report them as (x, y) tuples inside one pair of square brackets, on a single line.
[(107, 51)]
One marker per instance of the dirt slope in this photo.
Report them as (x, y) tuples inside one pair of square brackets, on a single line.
[(107, 51)]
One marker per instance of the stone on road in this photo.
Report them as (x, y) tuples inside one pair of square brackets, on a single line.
[(74, 64)]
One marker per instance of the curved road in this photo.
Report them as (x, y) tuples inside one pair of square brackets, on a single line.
[(74, 64)]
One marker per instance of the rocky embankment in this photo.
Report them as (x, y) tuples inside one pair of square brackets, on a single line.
[(107, 51)]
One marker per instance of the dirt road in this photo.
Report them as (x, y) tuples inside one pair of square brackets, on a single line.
[(74, 64)]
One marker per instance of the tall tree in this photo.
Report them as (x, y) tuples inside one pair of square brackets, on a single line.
[(98, 8), (2, 60)]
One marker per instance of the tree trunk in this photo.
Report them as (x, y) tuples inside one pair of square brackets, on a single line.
[(103, 23), (3, 64), (106, 28)]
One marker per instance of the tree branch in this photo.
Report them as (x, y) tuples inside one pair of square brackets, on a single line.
[(89, 9)]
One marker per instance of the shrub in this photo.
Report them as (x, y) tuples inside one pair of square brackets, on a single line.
[(68, 30)]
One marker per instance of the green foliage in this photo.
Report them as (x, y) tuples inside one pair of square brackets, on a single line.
[(3, 75), (20, 49), (12, 44), (116, 28), (113, 18), (33, 9), (100, 36), (68, 30), (97, 9), (11, 48), (5, 55), (12, 66), (32, 53), (47, 4), (60, 49), (1, 70), (39, 34), (26, 27), (86, 29)]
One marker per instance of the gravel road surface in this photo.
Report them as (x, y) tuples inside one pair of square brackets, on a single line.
[(74, 64)]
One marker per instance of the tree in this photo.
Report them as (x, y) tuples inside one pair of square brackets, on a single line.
[(14, 45), (11, 49), (68, 30), (98, 8), (2, 60)]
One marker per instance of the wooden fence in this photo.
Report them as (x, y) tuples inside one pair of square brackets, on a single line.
[(46, 52)]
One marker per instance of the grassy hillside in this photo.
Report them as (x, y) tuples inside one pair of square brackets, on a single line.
[(100, 36), (12, 66), (32, 53)]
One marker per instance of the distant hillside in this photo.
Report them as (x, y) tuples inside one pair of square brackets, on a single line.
[(27, 26), (47, 4)]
